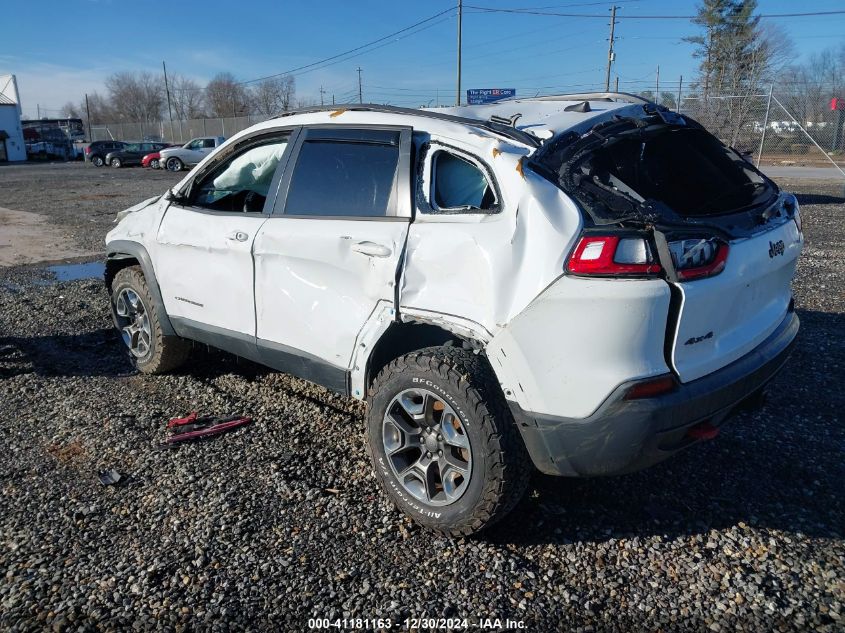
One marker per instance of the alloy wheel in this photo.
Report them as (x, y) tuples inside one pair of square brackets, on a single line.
[(134, 322), (427, 446)]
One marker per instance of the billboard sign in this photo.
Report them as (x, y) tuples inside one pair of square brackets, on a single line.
[(480, 96)]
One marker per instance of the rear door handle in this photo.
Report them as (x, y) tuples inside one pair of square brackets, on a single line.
[(238, 236), (372, 249)]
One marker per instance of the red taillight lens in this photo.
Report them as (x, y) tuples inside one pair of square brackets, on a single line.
[(651, 388), (706, 264), (612, 255), (88, 150)]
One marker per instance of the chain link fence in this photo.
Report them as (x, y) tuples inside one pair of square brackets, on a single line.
[(766, 127), (173, 131), (762, 127)]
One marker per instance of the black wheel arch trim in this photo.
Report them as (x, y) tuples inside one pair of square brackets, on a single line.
[(125, 249)]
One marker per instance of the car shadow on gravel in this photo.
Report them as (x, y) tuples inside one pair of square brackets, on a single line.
[(779, 468), (93, 353), (818, 198)]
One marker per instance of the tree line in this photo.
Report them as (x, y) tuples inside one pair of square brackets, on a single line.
[(739, 58), (132, 97)]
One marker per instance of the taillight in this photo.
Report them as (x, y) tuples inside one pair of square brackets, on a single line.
[(612, 255), (651, 388), (88, 150), (698, 258)]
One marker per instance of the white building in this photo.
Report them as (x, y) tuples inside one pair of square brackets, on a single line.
[(11, 134)]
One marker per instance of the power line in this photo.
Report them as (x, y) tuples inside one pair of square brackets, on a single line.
[(643, 17), (352, 50)]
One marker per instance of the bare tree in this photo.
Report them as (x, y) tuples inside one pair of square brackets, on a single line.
[(739, 56), (70, 110), (274, 95), (187, 98), (806, 89), (100, 108), (136, 97), (226, 97)]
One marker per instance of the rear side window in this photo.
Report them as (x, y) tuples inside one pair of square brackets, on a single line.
[(458, 184), (208, 142), (345, 177)]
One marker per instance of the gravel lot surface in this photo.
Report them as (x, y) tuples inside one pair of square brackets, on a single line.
[(282, 521)]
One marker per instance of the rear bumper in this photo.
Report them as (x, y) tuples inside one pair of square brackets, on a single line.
[(627, 435)]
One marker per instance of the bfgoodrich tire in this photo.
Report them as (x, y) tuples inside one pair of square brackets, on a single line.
[(443, 442), (135, 316)]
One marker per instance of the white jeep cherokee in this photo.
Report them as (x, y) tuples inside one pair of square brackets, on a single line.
[(588, 283)]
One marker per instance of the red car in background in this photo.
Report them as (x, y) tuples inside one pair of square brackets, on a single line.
[(151, 160)]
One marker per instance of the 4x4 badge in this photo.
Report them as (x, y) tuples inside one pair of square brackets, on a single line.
[(776, 248)]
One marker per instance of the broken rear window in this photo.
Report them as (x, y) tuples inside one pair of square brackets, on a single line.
[(628, 161)]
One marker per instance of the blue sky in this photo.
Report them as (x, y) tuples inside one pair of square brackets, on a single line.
[(60, 50)]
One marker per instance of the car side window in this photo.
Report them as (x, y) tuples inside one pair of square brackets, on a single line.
[(458, 184), (194, 145), (134, 147), (241, 182), (208, 142), (355, 176)]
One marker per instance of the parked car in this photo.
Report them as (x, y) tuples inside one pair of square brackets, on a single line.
[(590, 296), (191, 153), (132, 153), (97, 151), (151, 160)]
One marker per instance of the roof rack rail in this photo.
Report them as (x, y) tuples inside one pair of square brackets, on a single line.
[(594, 96), (490, 126)]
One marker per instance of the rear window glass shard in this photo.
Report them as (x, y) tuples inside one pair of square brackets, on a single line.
[(348, 173)]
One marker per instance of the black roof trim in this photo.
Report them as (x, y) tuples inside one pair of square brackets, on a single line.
[(489, 126)]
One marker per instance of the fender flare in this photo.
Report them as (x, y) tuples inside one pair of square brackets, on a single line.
[(125, 249)]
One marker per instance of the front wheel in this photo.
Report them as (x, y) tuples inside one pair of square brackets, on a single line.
[(443, 442), (115, 162), (134, 314), (174, 164), (154, 163)]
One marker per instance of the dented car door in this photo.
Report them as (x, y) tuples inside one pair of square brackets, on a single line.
[(331, 250), (206, 237)]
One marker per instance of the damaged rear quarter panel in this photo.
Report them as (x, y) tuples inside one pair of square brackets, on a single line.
[(488, 267)]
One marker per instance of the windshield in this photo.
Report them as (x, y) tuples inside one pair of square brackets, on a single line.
[(645, 160)]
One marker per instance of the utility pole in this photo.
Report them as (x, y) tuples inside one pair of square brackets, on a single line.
[(88, 114), (460, 18), (616, 89), (657, 86), (167, 90), (360, 93), (610, 54), (680, 85), (322, 92), (332, 98), (37, 110)]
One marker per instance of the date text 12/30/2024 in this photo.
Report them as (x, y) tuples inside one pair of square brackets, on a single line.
[(415, 624)]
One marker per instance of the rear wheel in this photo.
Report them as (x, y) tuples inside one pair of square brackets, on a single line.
[(443, 442), (174, 164), (97, 161), (134, 314)]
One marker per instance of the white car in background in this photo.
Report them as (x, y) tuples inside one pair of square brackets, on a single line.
[(585, 283), (189, 154)]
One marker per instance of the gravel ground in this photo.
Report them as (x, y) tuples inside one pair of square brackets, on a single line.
[(282, 521)]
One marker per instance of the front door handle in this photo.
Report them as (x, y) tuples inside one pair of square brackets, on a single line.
[(372, 249), (238, 236)]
